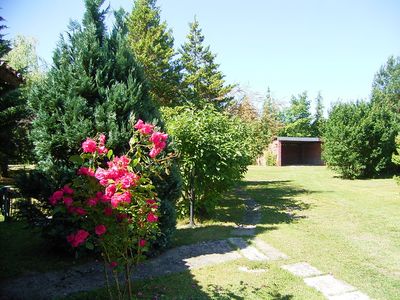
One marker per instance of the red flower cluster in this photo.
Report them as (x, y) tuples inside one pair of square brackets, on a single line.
[(65, 194), (78, 238), (90, 146), (143, 127), (158, 139), (119, 187)]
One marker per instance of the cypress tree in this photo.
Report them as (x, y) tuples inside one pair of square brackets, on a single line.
[(95, 85)]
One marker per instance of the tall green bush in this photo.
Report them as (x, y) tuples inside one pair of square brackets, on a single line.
[(359, 139), (95, 85), (215, 150)]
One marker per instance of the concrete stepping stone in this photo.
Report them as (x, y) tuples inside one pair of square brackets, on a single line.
[(247, 251), (247, 270), (357, 295), (210, 259), (244, 230), (302, 269), (270, 252), (329, 285)]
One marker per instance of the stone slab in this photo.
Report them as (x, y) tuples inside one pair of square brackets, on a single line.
[(247, 251), (329, 285), (270, 252), (357, 295), (302, 269), (210, 259)]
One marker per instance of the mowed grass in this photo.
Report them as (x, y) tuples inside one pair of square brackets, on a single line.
[(350, 228)]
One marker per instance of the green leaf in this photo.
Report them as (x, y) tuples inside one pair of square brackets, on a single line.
[(110, 154), (89, 245), (76, 159)]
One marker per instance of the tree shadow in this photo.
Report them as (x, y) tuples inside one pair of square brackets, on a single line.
[(277, 199)]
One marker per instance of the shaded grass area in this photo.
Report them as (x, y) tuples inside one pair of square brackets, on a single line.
[(230, 210), (223, 281), (23, 250)]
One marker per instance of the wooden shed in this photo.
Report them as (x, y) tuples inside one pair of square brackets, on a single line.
[(297, 151)]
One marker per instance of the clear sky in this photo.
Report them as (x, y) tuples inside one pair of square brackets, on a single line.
[(331, 46)]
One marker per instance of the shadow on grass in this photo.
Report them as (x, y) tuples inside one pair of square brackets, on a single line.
[(278, 200), (278, 204)]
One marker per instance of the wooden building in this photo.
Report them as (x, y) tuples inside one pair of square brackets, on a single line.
[(297, 151)]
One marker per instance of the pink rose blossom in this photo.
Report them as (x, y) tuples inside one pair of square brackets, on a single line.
[(57, 195), (89, 146), (144, 128), (102, 176), (100, 229), (68, 190), (128, 180), (80, 211), (68, 201), (110, 190), (86, 171), (102, 150), (92, 201), (124, 197), (154, 152), (78, 238), (152, 203), (159, 139), (113, 264), (142, 243), (151, 218), (102, 140)]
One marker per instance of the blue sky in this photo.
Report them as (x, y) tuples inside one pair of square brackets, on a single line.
[(331, 46)]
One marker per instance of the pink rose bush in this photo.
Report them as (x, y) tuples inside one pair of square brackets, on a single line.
[(112, 198)]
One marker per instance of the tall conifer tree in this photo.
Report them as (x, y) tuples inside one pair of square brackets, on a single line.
[(153, 46), (202, 81)]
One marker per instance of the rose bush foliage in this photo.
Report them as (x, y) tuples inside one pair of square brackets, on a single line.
[(112, 199)]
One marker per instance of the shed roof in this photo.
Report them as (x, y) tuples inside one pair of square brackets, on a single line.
[(298, 139)]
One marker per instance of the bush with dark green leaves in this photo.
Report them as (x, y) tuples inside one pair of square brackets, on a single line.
[(359, 139), (94, 86), (214, 152)]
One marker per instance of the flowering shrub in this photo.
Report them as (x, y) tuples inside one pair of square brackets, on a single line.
[(114, 199)]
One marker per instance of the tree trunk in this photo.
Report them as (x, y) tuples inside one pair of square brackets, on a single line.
[(191, 199)]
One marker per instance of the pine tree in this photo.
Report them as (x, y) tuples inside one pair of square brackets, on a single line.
[(153, 46), (95, 85), (202, 81)]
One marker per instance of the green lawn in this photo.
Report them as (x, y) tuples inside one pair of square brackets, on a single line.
[(348, 228)]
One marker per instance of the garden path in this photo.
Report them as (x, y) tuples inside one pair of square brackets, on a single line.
[(90, 276)]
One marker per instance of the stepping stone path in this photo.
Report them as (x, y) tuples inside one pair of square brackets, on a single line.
[(247, 251), (90, 276), (329, 286)]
